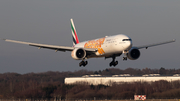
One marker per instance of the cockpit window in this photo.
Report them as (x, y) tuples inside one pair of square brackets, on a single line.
[(126, 40)]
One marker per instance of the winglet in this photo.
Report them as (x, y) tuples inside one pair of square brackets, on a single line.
[(3, 39), (174, 40)]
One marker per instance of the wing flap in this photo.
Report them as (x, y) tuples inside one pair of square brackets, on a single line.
[(156, 44), (53, 47)]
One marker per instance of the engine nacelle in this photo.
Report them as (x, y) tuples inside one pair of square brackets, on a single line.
[(133, 54), (78, 54)]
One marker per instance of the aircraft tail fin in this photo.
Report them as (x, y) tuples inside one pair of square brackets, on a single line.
[(74, 33)]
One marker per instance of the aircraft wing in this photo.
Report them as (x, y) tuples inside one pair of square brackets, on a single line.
[(155, 44), (53, 47)]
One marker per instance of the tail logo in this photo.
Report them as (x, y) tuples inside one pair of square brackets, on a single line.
[(74, 34)]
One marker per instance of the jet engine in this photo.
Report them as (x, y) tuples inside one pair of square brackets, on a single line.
[(133, 54), (78, 54)]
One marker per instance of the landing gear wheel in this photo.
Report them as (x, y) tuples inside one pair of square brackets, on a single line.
[(83, 63), (86, 62), (124, 58), (110, 64), (113, 63)]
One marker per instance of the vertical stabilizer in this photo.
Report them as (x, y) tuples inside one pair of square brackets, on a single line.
[(74, 33)]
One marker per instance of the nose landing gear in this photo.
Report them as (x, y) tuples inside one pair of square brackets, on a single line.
[(125, 55), (124, 58)]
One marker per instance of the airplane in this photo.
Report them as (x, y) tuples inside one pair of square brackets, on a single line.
[(108, 47)]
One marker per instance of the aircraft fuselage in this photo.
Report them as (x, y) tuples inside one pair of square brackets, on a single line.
[(108, 45)]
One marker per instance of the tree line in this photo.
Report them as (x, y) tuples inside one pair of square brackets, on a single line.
[(51, 85)]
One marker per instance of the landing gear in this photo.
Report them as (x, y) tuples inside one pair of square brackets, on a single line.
[(113, 63), (124, 58), (125, 55), (83, 63)]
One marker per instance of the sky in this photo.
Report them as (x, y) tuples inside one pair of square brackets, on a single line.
[(48, 22)]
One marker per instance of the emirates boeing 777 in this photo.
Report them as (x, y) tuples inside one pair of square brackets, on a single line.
[(108, 47)]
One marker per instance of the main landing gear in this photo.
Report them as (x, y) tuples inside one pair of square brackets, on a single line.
[(113, 63), (83, 63)]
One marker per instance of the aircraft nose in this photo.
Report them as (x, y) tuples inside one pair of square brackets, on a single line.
[(128, 45)]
